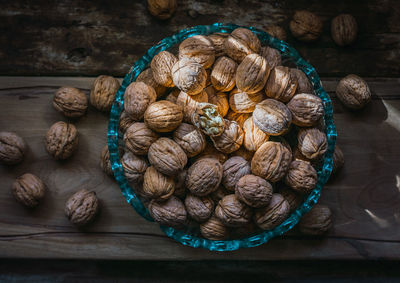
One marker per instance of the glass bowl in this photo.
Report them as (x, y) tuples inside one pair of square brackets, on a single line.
[(187, 237)]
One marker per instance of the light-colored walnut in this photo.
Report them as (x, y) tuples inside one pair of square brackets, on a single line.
[(240, 43), (218, 40), (273, 214), (243, 152), (303, 83), (232, 212), (233, 169), (125, 121), (208, 120), (190, 139), (103, 92), (214, 229), (162, 9), (189, 76), (179, 180), (272, 56), (301, 176), (105, 163), (253, 191), (138, 138), (28, 190), (223, 75), (306, 26), (276, 31), (317, 221), (281, 84), (312, 143), (231, 138), (70, 101), (163, 116), (138, 96), (292, 197), (198, 48), (12, 148), (82, 207), (61, 140), (189, 103), (252, 73), (199, 208), (344, 29), (147, 77), (161, 66), (156, 185), (243, 102), (239, 118), (173, 95), (307, 109), (220, 99), (254, 137), (353, 92), (134, 167), (338, 160), (169, 213)]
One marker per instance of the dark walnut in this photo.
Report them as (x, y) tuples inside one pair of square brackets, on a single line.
[(276, 31), (189, 76), (134, 167), (190, 103), (161, 66), (243, 102), (162, 9), (169, 213), (220, 99), (317, 221), (271, 161), (103, 92), (199, 208), (254, 137), (204, 176), (105, 163), (61, 140), (214, 229), (252, 73), (125, 121), (82, 207), (179, 180), (138, 138), (190, 139), (156, 185), (292, 197), (218, 40), (12, 148), (353, 92), (239, 118), (338, 160), (232, 212), (303, 83), (301, 176), (138, 96), (240, 43), (147, 77), (307, 109), (272, 56), (28, 190), (344, 29), (163, 116), (223, 74), (312, 143), (281, 84), (233, 169), (208, 120), (198, 48), (273, 214), (254, 191), (231, 138), (306, 26)]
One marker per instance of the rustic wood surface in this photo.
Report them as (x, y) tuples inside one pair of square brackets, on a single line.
[(364, 196)]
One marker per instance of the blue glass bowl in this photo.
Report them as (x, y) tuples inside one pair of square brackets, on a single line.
[(186, 238)]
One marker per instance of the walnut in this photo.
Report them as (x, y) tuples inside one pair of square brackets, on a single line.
[(189, 76), (301, 176), (103, 92), (353, 92), (273, 214), (167, 156), (138, 96), (281, 84), (161, 66), (243, 102), (138, 138), (82, 207), (344, 29), (147, 77), (190, 139), (252, 73), (211, 152), (233, 169), (272, 56), (312, 143), (253, 191), (162, 9), (292, 197), (208, 120), (223, 74), (317, 221), (70, 101), (272, 117), (163, 116), (105, 163), (232, 212), (306, 109), (204, 176), (169, 213), (198, 48), (219, 99), (134, 167), (271, 161), (28, 190), (243, 152), (240, 43), (173, 95), (218, 40), (297, 155), (306, 26), (239, 118), (214, 229), (156, 185), (208, 77), (125, 121), (199, 208), (61, 140), (303, 83), (179, 180), (219, 193), (276, 31), (338, 160), (253, 136), (12, 148), (189, 103), (231, 138)]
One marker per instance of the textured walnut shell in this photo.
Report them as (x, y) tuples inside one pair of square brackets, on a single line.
[(231, 138), (218, 40), (233, 169), (12, 148), (161, 66), (138, 138), (232, 212), (208, 120), (272, 56), (252, 73), (312, 143), (162, 9), (253, 136), (223, 75), (301, 176), (272, 117), (82, 207), (317, 221), (214, 229), (344, 29), (28, 190), (125, 121), (169, 213), (243, 102), (103, 92), (211, 152), (189, 103), (134, 167), (241, 43), (303, 83), (292, 197), (239, 118), (105, 163), (271, 161), (243, 152), (338, 160), (189, 76), (61, 140), (273, 214), (167, 156), (163, 116), (306, 109), (281, 84), (138, 96), (276, 31), (253, 191), (220, 99), (198, 48), (199, 208), (190, 139), (204, 176), (353, 92), (179, 180), (306, 26), (147, 77), (156, 185), (70, 101)]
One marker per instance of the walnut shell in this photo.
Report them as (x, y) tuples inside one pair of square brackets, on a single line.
[(338, 160), (198, 48), (306, 109), (167, 156), (239, 118), (306, 26), (232, 212), (233, 169), (61, 140), (138, 96), (243, 152), (189, 103), (163, 116), (292, 197), (253, 136), (199, 208), (223, 74), (218, 40), (273, 214), (276, 31), (344, 29), (190, 139), (211, 152), (220, 99), (231, 138), (240, 43), (303, 83), (156, 185), (12, 148), (70, 101), (312, 143), (253, 191), (147, 77), (252, 73), (169, 213), (243, 102), (82, 207), (103, 92), (272, 117), (353, 92), (189, 76), (28, 190), (301, 176), (179, 180), (281, 84), (271, 161), (214, 229), (317, 221), (208, 120), (272, 56), (105, 163), (138, 138), (134, 167), (162, 9), (125, 121), (161, 66)]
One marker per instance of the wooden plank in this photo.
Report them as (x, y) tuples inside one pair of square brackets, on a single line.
[(364, 196)]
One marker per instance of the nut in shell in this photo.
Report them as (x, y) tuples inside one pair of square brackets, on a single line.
[(281, 84), (138, 96), (134, 167), (252, 73), (307, 109), (147, 77), (103, 92), (169, 213), (125, 121), (344, 29), (233, 169), (218, 40), (243, 102), (105, 163), (156, 185), (214, 229), (306, 26), (353, 92), (273, 214), (12, 148), (317, 221), (189, 103), (254, 137), (220, 99), (163, 116), (189, 76), (138, 138), (70, 101), (179, 180), (61, 140), (312, 143), (292, 197), (82, 207), (303, 83), (28, 190), (199, 208), (231, 138), (253, 191), (301, 176), (232, 212), (272, 56), (223, 74), (190, 139), (239, 118), (162, 9), (211, 152), (198, 48), (208, 120), (161, 66), (240, 43)]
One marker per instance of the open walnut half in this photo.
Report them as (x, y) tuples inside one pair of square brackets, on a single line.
[(207, 119)]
